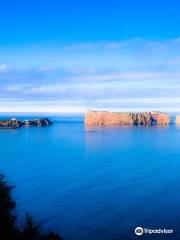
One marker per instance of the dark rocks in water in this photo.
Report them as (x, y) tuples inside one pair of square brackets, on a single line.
[(10, 124), (37, 122), (14, 123)]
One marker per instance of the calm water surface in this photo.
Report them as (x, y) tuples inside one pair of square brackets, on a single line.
[(93, 184)]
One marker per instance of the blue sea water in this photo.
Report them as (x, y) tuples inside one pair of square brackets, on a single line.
[(95, 183)]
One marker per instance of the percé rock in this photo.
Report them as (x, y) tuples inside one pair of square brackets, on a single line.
[(118, 118), (177, 120)]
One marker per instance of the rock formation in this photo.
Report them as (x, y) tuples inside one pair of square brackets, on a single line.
[(14, 123), (118, 118), (37, 122), (177, 120)]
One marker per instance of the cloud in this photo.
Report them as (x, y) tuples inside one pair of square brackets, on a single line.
[(3, 68), (132, 74)]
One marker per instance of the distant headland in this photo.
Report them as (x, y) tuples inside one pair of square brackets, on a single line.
[(128, 118), (15, 123)]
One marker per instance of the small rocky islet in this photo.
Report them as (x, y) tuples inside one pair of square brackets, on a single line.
[(15, 123)]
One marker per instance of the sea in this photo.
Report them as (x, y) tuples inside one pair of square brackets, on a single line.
[(93, 183)]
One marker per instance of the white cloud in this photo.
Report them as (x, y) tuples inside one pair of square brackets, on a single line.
[(3, 67), (132, 74), (47, 89)]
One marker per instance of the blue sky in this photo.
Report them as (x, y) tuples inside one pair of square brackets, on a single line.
[(69, 56)]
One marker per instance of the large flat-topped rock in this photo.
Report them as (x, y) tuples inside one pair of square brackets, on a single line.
[(125, 118)]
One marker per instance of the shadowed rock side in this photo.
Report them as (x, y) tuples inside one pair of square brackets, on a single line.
[(37, 122), (115, 118)]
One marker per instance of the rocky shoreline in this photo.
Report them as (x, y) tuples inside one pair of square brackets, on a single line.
[(15, 123)]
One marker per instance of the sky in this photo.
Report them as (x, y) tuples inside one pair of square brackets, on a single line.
[(70, 56)]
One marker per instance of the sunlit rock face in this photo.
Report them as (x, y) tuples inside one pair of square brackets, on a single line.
[(10, 123), (177, 120), (123, 118)]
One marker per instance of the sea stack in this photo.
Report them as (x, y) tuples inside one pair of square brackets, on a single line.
[(177, 120), (126, 118)]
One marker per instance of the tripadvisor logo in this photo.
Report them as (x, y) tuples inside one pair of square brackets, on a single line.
[(139, 231)]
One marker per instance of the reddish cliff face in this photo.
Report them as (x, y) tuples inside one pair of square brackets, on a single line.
[(178, 120), (112, 118), (161, 118), (107, 118)]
